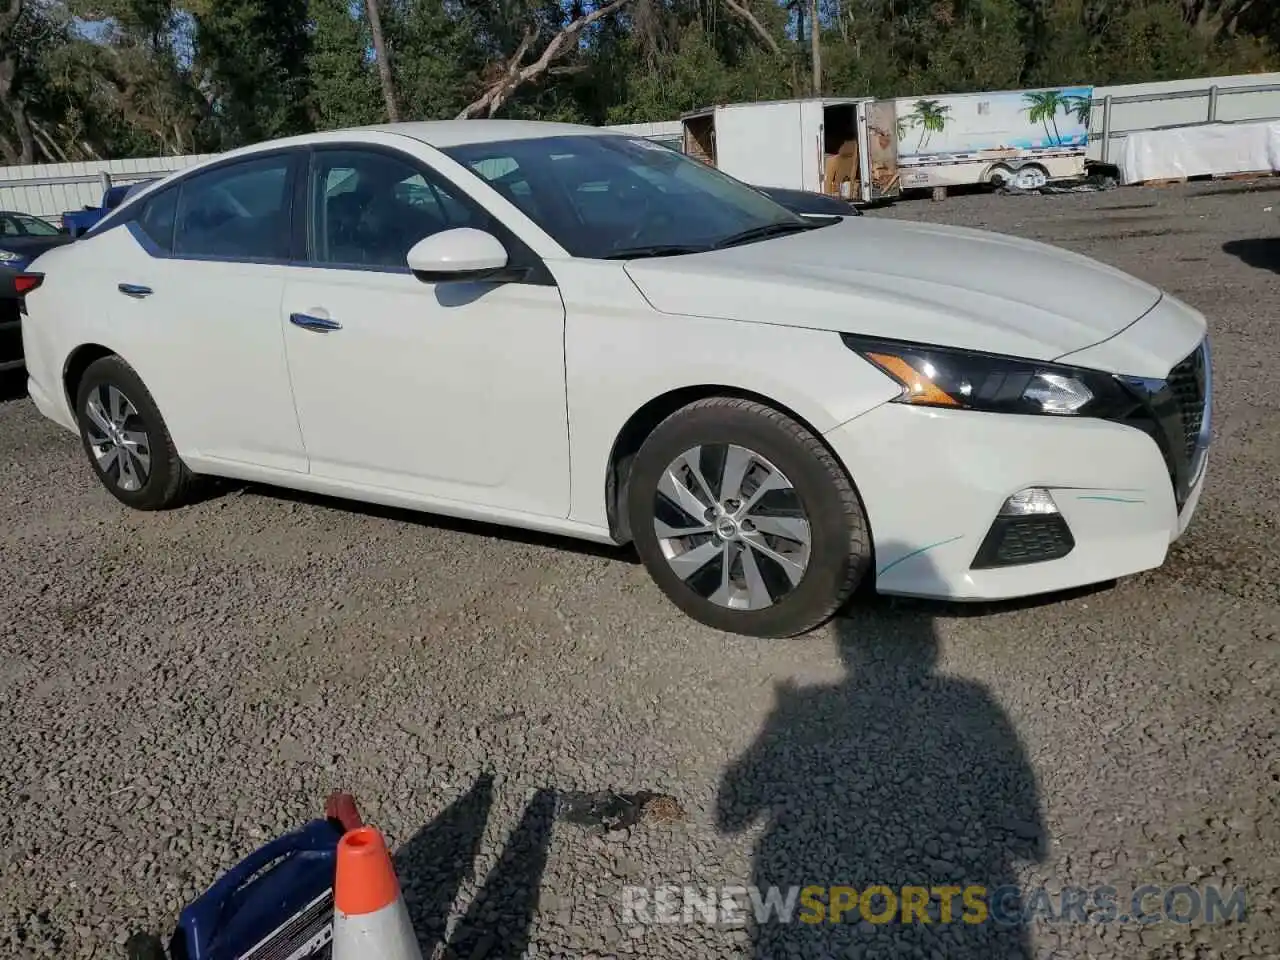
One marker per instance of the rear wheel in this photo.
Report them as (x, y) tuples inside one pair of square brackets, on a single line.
[(1031, 177), (745, 520), (126, 439)]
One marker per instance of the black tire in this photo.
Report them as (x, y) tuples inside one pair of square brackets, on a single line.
[(167, 480), (840, 541)]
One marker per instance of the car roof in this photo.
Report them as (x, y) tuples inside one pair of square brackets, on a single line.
[(455, 133), (441, 134)]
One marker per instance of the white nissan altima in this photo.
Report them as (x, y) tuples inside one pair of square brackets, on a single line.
[(576, 331)]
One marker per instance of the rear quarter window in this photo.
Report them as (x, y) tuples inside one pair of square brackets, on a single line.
[(157, 218)]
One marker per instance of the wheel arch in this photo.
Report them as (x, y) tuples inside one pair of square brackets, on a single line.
[(77, 362), (631, 437)]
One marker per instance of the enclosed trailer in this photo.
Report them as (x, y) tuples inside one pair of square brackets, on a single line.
[(1024, 137), (839, 146)]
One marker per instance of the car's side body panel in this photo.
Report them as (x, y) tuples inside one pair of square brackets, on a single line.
[(621, 354)]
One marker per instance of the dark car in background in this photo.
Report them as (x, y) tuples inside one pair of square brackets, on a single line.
[(809, 204), (23, 237)]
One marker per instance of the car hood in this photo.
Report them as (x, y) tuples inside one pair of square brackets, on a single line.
[(926, 283)]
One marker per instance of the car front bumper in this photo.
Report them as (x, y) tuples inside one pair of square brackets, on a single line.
[(933, 482)]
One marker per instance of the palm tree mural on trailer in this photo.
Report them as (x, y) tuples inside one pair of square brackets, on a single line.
[(1080, 107), (930, 116), (1042, 107)]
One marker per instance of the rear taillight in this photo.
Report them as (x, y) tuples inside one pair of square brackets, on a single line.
[(24, 283)]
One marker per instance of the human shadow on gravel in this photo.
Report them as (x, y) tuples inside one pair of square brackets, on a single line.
[(897, 776), (439, 859), (1261, 253)]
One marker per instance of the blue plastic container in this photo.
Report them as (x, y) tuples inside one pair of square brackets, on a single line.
[(276, 904)]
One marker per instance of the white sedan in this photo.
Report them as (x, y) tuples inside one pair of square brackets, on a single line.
[(577, 331)]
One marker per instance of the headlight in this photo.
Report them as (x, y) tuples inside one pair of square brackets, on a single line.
[(8, 256), (940, 377)]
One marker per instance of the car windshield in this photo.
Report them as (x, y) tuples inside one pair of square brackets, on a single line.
[(603, 196), (35, 227)]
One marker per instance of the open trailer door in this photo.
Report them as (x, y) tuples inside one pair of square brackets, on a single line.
[(699, 135), (761, 143), (878, 125)]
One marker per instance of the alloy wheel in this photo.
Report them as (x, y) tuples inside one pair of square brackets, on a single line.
[(732, 526), (117, 438)]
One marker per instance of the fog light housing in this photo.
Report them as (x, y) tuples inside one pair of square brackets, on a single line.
[(1031, 502), (1028, 529)]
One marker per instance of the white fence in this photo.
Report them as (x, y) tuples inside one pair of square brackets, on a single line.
[(1140, 107), (52, 189)]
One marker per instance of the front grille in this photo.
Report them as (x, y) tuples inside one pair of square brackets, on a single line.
[(1187, 382), (1174, 413), (1013, 541)]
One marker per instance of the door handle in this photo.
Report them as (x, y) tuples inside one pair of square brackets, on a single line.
[(134, 290), (319, 324)]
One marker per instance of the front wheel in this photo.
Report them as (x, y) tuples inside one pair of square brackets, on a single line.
[(745, 520), (126, 439)]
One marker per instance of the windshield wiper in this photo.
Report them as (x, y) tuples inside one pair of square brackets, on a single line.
[(655, 250), (765, 231)]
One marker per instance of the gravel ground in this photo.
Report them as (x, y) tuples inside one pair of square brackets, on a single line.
[(179, 687)]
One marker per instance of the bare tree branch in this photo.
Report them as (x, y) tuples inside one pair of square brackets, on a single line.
[(516, 74), (741, 11)]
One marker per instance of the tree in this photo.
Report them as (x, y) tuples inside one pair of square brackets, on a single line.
[(384, 64), (506, 78), (252, 57), (344, 85), (14, 31), (178, 76)]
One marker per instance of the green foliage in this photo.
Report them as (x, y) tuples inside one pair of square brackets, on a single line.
[(253, 57), (344, 85), (191, 75), (436, 58)]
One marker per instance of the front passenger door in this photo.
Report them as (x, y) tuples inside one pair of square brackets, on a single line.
[(445, 391)]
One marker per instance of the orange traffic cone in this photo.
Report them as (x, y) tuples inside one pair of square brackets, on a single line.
[(370, 921)]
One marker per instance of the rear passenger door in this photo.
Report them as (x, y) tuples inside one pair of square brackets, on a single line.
[(197, 300)]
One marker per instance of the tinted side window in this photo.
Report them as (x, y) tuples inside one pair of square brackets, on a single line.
[(369, 208), (237, 212), (505, 175), (157, 218)]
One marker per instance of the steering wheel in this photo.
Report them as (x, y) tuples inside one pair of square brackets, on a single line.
[(647, 217)]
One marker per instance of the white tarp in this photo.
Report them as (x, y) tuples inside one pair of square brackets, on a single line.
[(1217, 148)]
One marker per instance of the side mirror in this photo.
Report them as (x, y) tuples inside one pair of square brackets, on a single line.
[(463, 253)]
